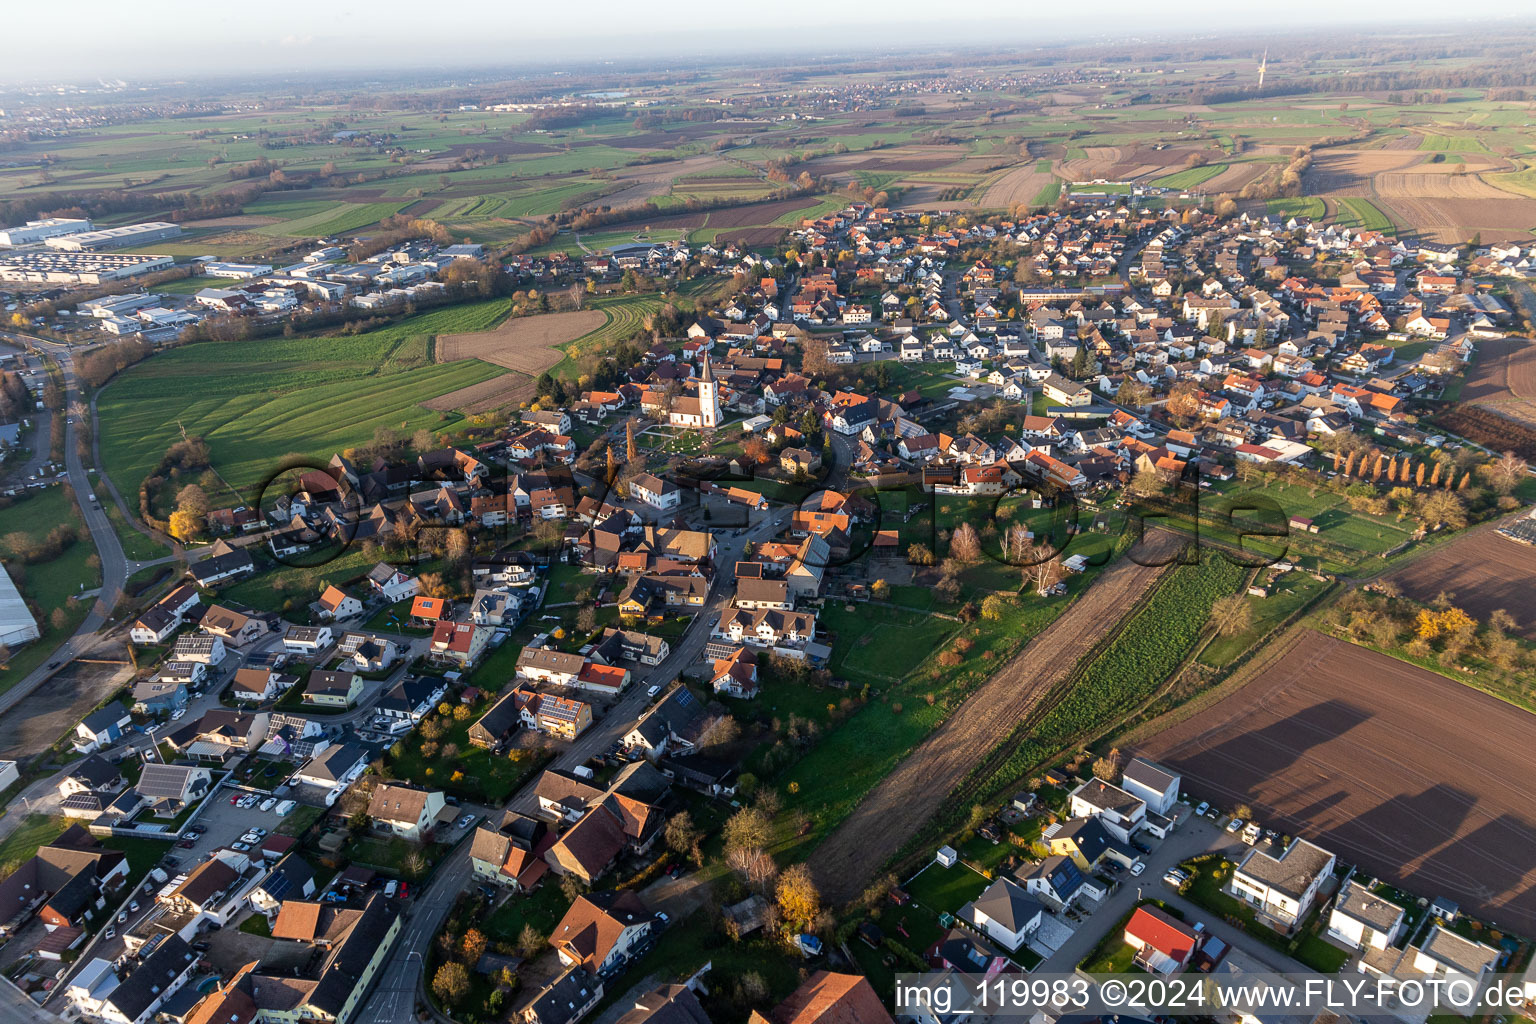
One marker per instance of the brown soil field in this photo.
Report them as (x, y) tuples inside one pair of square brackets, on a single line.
[(1495, 215), (1348, 172), (1357, 752), (1235, 177), (651, 180), (921, 783), (1018, 185), (1435, 181), (751, 237), (1481, 571), (1504, 371), (525, 344), (1097, 162), (496, 393)]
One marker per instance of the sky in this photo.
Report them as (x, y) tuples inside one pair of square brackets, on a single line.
[(174, 39)]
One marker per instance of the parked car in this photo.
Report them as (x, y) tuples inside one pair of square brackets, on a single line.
[(242, 847), (465, 821), (405, 890), (1204, 806), (390, 888), (133, 906), (266, 805), (653, 691), (1235, 825)]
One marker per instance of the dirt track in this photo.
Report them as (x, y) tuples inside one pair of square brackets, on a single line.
[(1415, 778), (902, 803)]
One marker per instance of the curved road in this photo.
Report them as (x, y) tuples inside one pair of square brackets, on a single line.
[(114, 566)]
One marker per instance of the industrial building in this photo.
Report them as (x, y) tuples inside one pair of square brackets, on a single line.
[(115, 238), (77, 267), (41, 230), (17, 625), (236, 271)]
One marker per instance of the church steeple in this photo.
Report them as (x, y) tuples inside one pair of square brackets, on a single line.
[(706, 374)]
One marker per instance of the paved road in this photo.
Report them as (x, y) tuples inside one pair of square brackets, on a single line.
[(114, 567)]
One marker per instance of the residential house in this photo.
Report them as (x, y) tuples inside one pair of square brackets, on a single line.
[(98, 993), (1006, 913), (1152, 783), (601, 930), (1282, 889), (236, 629), (829, 998), (662, 495), (407, 812), (391, 584), (1360, 919), (412, 698), (1163, 944), (307, 640), (102, 728), (735, 675), (1120, 812), (459, 643), (513, 854), (333, 688)]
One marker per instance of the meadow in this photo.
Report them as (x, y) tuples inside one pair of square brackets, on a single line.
[(256, 402)]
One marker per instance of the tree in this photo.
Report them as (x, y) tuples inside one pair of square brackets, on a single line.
[(423, 441), (451, 982), (1505, 474), (1183, 400), (631, 447), (799, 899), (193, 499), (185, 524), (586, 619), (965, 545), (748, 828), (1231, 614), (994, 607), (754, 866), (917, 554), (529, 942), (683, 837), (880, 590), (1443, 508), (473, 946)]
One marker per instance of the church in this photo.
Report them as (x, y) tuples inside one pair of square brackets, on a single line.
[(701, 410)]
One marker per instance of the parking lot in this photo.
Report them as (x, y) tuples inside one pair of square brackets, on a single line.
[(225, 824)]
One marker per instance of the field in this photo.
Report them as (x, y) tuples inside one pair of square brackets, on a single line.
[(1502, 378), (255, 402), (920, 784), (1480, 571), (47, 585), (1357, 752), (526, 345)]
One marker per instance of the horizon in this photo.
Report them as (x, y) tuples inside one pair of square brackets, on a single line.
[(383, 40)]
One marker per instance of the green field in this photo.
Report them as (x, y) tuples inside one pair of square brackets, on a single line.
[(1311, 207), (255, 402), (1191, 177), (1355, 212), (48, 585), (1452, 144)]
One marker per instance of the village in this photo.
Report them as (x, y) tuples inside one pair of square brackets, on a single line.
[(519, 714)]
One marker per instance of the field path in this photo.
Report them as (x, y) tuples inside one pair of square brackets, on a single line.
[(920, 784)]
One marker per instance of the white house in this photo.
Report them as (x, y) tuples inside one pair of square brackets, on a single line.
[(1282, 888), (1005, 913), (1156, 785), (662, 495), (97, 992), (1361, 919), (405, 811), (1119, 812), (392, 584)]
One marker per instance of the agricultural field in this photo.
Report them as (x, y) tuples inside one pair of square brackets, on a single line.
[(525, 345), (1502, 379), (1480, 572), (1355, 750), (255, 402), (47, 583)]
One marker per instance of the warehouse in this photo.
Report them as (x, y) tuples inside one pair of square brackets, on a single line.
[(42, 230), (78, 267), (115, 238), (17, 626)]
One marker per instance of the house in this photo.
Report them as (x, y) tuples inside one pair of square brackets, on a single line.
[(829, 998), (336, 603), (545, 665), (1152, 783), (1360, 919), (1163, 944), (674, 724), (221, 735), (1059, 882), (565, 1000), (735, 675), (169, 789), (412, 698), (291, 878), (1120, 812), (333, 688), (224, 562), (203, 648), (1459, 964), (352, 946), (427, 611), (89, 787), (236, 629), (459, 643), (161, 696), (391, 584), (63, 884), (165, 616), (102, 728), (662, 495), (259, 684), (334, 768), (625, 816), (512, 855), (1087, 842), (1005, 913), (97, 991), (307, 640), (499, 722), (367, 651), (1282, 888), (601, 930), (668, 1004), (407, 812)]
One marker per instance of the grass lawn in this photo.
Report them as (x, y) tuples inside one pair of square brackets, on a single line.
[(1321, 955), (36, 830), (1115, 960), (47, 586), (942, 890), (256, 924), (451, 764), (543, 908), (136, 546), (256, 402), (284, 588), (880, 645), (1287, 594)]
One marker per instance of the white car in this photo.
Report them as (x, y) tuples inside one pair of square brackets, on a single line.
[(653, 691), (1235, 825), (267, 804), (1137, 868), (178, 714), (1200, 811)]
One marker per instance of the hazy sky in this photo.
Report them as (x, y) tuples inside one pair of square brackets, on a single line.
[(83, 39)]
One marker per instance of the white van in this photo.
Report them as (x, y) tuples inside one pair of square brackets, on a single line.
[(284, 807), (390, 888)]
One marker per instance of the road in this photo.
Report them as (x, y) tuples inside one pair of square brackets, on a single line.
[(114, 566), (393, 1000)]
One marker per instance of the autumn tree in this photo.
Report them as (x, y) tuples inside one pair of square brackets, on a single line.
[(631, 448), (753, 865), (799, 899), (748, 828), (683, 837), (1505, 474), (1183, 400), (1418, 480), (473, 946), (965, 545), (451, 982), (1231, 614)]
